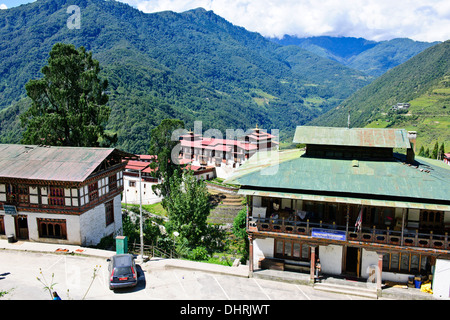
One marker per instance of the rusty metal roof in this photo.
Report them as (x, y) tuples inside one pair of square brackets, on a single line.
[(50, 163), (361, 137)]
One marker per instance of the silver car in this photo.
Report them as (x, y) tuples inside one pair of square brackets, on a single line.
[(122, 271)]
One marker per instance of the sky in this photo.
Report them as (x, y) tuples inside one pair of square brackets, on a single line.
[(370, 19)]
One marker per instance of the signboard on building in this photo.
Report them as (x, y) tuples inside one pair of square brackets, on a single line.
[(329, 234), (10, 209)]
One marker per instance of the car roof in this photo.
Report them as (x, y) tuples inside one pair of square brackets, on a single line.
[(122, 260)]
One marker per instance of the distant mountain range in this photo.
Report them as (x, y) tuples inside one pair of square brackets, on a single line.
[(371, 57), (423, 81), (192, 66)]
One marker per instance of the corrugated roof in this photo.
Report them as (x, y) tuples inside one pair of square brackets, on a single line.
[(50, 163), (361, 137), (294, 171)]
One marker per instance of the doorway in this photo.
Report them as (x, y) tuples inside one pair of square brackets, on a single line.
[(21, 223), (352, 261)]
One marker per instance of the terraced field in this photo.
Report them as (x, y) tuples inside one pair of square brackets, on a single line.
[(225, 206)]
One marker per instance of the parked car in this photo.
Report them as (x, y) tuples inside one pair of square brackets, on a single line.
[(122, 271)]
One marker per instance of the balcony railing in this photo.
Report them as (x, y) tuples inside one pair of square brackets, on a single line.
[(407, 238)]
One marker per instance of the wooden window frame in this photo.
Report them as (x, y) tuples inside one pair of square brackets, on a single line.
[(93, 191), (56, 196), (47, 228), (289, 245), (109, 212)]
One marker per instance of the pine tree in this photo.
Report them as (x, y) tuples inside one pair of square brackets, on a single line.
[(434, 154), (422, 151), (69, 102)]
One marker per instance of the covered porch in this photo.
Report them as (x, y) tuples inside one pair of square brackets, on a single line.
[(341, 220)]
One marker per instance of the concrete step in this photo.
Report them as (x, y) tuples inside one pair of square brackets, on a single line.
[(346, 289)]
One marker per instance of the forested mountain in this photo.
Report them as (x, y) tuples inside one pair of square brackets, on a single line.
[(423, 81), (191, 66), (371, 57)]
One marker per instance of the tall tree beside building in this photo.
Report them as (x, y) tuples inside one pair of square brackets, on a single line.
[(69, 102), (162, 145), (188, 208)]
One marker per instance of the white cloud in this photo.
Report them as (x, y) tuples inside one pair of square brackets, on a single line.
[(3, 6), (370, 19)]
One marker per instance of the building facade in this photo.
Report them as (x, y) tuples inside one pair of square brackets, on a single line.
[(136, 190), (61, 195), (349, 199), (225, 153)]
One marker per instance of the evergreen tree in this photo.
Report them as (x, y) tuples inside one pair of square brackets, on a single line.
[(69, 102), (441, 152), (434, 153), (422, 151)]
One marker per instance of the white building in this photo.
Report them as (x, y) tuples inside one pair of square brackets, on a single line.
[(64, 195)]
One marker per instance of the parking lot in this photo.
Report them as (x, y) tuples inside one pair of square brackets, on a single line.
[(73, 279)]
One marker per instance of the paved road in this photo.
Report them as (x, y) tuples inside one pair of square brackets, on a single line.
[(19, 272)]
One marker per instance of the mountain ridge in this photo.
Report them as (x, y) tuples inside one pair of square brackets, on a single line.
[(371, 57), (423, 81), (192, 66)]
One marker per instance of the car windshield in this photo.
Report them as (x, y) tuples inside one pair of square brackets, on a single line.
[(118, 271)]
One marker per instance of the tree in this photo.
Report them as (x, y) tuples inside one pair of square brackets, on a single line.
[(240, 231), (441, 153), (69, 102), (161, 145), (422, 151), (434, 153), (188, 207)]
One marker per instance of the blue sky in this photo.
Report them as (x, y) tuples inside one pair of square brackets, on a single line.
[(371, 19)]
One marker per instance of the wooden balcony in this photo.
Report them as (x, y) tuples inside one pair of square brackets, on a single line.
[(405, 238)]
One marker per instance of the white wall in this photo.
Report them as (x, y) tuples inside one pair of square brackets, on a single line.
[(262, 248), (441, 279), (331, 259), (72, 226), (93, 223), (131, 194)]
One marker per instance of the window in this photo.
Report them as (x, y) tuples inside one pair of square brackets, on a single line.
[(109, 212), (293, 250), (56, 196), (431, 220), (112, 181), (93, 191), (52, 228), (2, 225), (24, 194), (406, 263)]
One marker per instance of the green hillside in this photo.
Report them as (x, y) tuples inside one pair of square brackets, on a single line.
[(371, 57), (423, 81), (192, 66)]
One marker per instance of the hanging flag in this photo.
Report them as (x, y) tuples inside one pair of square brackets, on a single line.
[(359, 220)]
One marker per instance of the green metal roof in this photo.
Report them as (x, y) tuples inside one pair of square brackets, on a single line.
[(294, 172), (361, 137)]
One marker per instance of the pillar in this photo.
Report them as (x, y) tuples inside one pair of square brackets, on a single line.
[(379, 273), (250, 255), (313, 265)]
